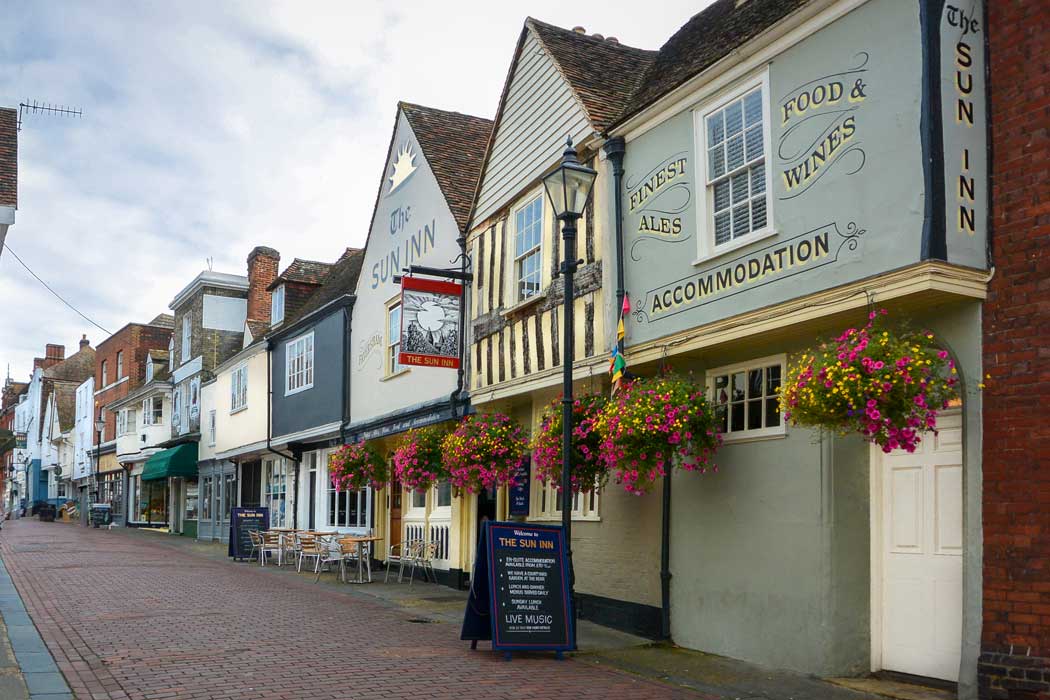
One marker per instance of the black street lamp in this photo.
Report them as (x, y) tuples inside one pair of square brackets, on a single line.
[(568, 188), (100, 425)]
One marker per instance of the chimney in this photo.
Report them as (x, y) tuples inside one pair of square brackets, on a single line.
[(262, 271), (53, 351), (579, 30), (8, 158), (84, 342)]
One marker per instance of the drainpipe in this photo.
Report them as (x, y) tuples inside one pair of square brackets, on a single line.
[(615, 148), (296, 458), (460, 373), (344, 414)]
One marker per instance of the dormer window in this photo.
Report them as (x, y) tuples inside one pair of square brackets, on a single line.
[(149, 370), (277, 306)]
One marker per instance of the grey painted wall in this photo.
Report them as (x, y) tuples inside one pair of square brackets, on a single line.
[(321, 404), (858, 214)]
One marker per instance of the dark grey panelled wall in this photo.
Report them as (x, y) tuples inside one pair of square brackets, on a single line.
[(323, 403)]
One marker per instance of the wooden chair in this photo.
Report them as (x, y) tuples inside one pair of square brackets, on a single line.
[(255, 537), (331, 553), (308, 547), (357, 552), (271, 543)]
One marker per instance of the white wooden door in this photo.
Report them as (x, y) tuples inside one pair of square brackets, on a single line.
[(922, 555)]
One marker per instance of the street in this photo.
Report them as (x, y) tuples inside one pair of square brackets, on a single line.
[(131, 615)]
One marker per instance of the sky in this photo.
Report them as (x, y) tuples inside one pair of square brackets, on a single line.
[(211, 127)]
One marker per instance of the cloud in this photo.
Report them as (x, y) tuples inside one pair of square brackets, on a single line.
[(211, 128)]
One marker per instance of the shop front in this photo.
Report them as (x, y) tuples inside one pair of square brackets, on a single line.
[(216, 497), (160, 490)]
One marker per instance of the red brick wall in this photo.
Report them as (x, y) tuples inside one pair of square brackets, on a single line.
[(1017, 356), (262, 270), (8, 158), (135, 341)]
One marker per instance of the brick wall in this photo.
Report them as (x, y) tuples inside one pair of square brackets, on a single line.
[(263, 263), (1015, 661), (134, 340), (8, 158)]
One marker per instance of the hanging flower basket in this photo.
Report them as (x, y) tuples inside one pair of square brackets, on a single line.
[(653, 424), (484, 452), (588, 469), (357, 466), (888, 385), (417, 460)]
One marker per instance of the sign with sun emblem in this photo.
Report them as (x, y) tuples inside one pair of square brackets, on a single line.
[(404, 165), (430, 323)]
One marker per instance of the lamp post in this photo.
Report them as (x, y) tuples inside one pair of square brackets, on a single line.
[(568, 189), (100, 425)]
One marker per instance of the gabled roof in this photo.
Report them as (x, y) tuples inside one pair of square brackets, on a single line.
[(704, 40), (454, 146), (603, 73), (75, 368), (342, 280), (163, 321), (257, 328), (303, 272)]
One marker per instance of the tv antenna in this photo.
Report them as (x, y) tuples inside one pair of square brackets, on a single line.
[(35, 107)]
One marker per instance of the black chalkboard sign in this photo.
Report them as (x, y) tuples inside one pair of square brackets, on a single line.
[(519, 594), (243, 521), (519, 492), (101, 514)]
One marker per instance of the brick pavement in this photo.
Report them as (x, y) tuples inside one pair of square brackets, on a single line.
[(131, 617)]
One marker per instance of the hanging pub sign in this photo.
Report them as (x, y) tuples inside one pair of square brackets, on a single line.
[(430, 323), (519, 593), (20, 441)]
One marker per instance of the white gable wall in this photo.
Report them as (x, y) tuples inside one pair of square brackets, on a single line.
[(540, 110)]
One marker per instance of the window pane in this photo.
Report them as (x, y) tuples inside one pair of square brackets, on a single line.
[(758, 213), (722, 229), (754, 143), (754, 383), (739, 387), (444, 493), (722, 417), (735, 152), (772, 413), (740, 190), (737, 417), (715, 129), (758, 179), (741, 220), (734, 118), (716, 162), (352, 502), (721, 386), (722, 195), (772, 379), (753, 108), (754, 414)]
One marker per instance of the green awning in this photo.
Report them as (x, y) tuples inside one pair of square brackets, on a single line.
[(180, 460)]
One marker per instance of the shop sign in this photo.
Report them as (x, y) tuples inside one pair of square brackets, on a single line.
[(242, 522), (20, 441), (520, 600), (430, 323)]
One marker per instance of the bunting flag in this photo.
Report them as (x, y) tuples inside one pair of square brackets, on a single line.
[(617, 362)]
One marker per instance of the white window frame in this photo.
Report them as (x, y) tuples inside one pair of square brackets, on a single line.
[(211, 427), (120, 365), (392, 367), (239, 388), (149, 370), (187, 338), (171, 353), (277, 306), (148, 406), (126, 421), (307, 370), (277, 487), (706, 248), (105, 373), (765, 432), (545, 503), (538, 249), (176, 408)]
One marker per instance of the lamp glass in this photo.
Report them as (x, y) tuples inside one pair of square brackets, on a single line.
[(568, 188), (100, 425)]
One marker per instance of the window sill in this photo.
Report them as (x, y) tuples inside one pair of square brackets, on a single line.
[(239, 409), (557, 519), (395, 375), (289, 392), (730, 439), (736, 245), (524, 304)]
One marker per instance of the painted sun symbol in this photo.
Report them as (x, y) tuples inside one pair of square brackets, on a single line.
[(403, 166)]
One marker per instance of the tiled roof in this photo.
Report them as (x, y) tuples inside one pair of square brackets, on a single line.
[(303, 272), (704, 40), (341, 280), (257, 328), (603, 73), (66, 401), (454, 146), (77, 367), (163, 321)]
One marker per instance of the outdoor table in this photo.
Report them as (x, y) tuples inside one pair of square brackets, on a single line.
[(360, 542)]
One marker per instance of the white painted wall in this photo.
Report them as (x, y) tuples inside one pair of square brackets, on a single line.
[(419, 196), (245, 426), (224, 313), (82, 429)]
